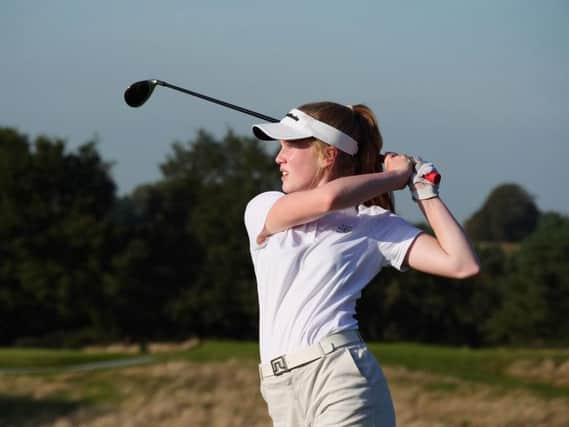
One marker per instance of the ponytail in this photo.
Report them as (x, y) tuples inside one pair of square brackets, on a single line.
[(369, 158)]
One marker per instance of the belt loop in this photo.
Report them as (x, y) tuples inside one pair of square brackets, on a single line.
[(326, 347)]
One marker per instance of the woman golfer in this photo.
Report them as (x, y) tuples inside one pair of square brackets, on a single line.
[(318, 243)]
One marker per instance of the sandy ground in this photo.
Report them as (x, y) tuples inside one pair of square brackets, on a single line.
[(226, 394)]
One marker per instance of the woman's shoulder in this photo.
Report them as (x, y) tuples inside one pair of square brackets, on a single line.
[(261, 203), (257, 210), (267, 196)]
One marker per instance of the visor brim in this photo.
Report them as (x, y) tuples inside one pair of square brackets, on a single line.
[(279, 132)]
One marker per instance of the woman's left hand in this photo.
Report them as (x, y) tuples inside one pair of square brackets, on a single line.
[(421, 187), (401, 163)]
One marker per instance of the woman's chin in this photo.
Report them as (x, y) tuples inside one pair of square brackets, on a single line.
[(287, 189)]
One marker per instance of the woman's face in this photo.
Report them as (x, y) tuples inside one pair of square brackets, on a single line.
[(299, 165)]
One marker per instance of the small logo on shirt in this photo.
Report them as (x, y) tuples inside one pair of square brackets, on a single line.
[(344, 228)]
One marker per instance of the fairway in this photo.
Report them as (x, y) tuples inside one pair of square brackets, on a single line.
[(216, 384)]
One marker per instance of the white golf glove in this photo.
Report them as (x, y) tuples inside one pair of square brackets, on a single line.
[(424, 182)]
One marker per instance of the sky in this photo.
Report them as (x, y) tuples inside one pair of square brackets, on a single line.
[(480, 88)]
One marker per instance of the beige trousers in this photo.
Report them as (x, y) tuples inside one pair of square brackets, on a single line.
[(344, 388)]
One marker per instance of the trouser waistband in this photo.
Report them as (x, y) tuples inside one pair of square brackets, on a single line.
[(287, 362)]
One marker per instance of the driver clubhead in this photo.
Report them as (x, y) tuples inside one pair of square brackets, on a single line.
[(138, 93)]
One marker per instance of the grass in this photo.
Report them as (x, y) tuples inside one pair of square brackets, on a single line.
[(208, 385), (487, 366), (479, 366), (33, 358), (19, 410), (215, 351)]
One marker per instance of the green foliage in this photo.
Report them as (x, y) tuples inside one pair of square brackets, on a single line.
[(509, 214), (171, 259), (488, 366), (214, 351), (52, 232), (417, 307), (154, 259), (535, 295), (35, 358), (224, 175)]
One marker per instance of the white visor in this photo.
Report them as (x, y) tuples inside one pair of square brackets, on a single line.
[(299, 125)]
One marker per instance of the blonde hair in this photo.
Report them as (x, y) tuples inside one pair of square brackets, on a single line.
[(360, 123)]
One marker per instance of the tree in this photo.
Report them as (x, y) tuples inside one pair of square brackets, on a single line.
[(535, 297), (187, 252), (414, 306), (156, 259), (52, 230), (221, 300), (509, 214)]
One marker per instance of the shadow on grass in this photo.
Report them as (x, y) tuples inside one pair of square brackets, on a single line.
[(24, 411)]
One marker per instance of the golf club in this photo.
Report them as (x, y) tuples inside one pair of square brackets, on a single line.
[(138, 93)]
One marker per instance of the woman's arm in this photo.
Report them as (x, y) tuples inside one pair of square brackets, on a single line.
[(449, 253), (301, 207)]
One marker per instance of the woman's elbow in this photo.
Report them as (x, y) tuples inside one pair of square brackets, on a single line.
[(467, 270)]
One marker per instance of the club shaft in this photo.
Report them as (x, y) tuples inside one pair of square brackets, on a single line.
[(218, 101)]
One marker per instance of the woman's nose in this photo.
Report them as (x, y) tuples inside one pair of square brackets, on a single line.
[(279, 158)]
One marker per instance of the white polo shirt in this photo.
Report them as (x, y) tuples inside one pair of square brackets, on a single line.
[(309, 277)]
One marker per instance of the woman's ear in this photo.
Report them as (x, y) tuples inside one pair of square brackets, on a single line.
[(328, 157)]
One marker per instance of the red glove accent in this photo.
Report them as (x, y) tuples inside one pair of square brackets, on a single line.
[(433, 177)]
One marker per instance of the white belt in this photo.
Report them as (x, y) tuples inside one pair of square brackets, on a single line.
[(287, 362)]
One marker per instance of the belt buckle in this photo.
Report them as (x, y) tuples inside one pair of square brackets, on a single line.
[(279, 366)]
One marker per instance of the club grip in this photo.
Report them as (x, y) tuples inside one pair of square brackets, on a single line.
[(433, 177)]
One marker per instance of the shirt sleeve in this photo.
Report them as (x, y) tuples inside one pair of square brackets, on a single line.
[(256, 213), (394, 238)]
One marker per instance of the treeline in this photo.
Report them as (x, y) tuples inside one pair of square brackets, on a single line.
[(78, 264)]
